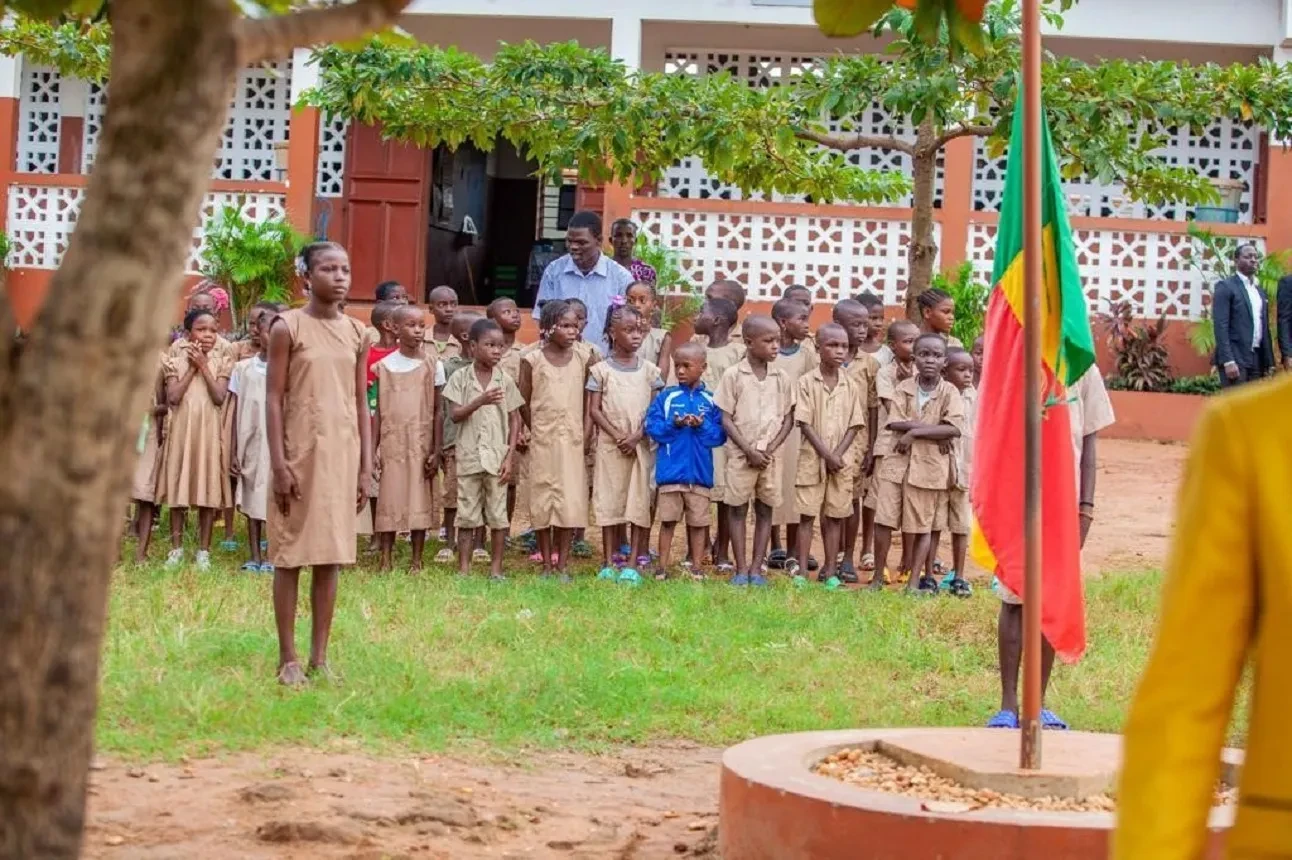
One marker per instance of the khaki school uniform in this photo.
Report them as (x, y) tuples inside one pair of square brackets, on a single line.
[(148, 467), (831, 413), (406, 406), (718, 360), (439, 350), (622, 492), (250, 382), (795, 366), (194, 470), (482, 445), (449, 439), (863, 369), (652, 343), (912, 485), (956, 516), (510, 365), (886, 378), (757, 408), (557, 473)]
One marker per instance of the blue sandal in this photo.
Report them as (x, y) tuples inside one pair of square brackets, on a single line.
[(1051, 720), (1003, 720), (251, 567)]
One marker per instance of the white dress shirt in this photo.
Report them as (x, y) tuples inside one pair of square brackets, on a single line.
[(1254, 299)]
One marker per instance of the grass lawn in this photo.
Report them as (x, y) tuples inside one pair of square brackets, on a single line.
[(438, 663)]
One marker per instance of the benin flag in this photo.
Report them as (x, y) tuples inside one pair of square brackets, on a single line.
[(1067, 352)]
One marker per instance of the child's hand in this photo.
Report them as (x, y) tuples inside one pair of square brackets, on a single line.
[(868, 464), (903, 445), (376, 461), (628, 444), (833, 463), (695, 420), (491, 397), (945, 446), (196, 356), (522, 443), (235, 470), (758, 458), (682, 421), (504, 474), (431, 466), (362, 492), (160, 410), (286, 488)]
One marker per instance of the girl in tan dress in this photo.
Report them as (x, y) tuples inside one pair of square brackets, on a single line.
[(193, 472), (551, 381), (320, 450), (404, 434), (657, 343), (249, 442), (144, 491), (621, 388)]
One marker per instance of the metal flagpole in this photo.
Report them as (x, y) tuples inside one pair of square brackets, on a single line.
[(1030, 719)]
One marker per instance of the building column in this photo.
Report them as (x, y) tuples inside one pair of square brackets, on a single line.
[(302, 146), (74, 95), (10, 82), (957, 201), (626, 40), (1278, 168)]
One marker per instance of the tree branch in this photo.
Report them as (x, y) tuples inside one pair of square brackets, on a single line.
[(261, 39), (968, 130), (857, 141)]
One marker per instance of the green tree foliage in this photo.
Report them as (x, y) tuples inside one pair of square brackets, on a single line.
[(970, 296), (254, 260)]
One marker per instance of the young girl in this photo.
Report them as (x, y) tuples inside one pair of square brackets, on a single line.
[(621, 390), (319, 448), (404, 435), (249, 451), (144, 492), (193, 470), (657, 344), (552, 379), (938, 315)]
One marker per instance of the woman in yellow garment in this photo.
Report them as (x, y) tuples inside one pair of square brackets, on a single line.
[(1228, 595)]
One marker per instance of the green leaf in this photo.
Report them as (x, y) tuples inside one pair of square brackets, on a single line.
[(848, 18)]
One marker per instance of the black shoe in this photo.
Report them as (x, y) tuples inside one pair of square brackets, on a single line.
[(776, 559), (813, 564), (848, 577)]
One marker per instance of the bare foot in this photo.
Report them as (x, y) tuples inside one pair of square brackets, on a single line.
[(291, 675)]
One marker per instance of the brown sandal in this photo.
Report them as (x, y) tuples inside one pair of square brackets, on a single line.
[(291, 675)]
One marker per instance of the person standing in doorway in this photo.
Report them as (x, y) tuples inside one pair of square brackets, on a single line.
[(1244, 351), (585, 274), (623, 240)]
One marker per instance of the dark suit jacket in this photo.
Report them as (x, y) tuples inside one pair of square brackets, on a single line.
[(1284, 311), (1231, 311)]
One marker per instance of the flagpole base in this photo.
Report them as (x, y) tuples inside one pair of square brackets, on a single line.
[(1030, 749)]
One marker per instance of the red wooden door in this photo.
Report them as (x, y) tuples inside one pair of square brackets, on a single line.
[(387, 185)]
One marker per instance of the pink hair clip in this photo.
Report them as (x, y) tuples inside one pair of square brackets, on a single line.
[(618, 301), (220, 296)]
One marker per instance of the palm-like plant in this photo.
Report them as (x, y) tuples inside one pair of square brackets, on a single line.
[(680, 298), (254, 260)]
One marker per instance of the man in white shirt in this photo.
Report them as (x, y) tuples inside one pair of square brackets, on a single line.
[(585, 274), (1239, 311)]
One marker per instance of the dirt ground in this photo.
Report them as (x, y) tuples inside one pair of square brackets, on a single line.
[(659, 801)]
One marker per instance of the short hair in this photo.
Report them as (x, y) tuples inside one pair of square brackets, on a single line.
[(386, 289), (722, 310), (272, 307), (194, 315), (466, 319), (1244, 245), (754, 322), (585, 220), (551, 312), (618, 312), (931, 335), (624, 221), (787, 308), (578, 304), (796, 288), (312, 250), (931, 298), (492, 311), (833, 329), (482, 327), (725, 287), (383, 311), (690, 348), (956, 352), (399, 310), (898, 326), (654, 292), (869, 299), (443, 288), (851, 306)]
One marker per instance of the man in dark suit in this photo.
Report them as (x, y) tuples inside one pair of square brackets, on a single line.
[(1244, 351), (1284, 311)]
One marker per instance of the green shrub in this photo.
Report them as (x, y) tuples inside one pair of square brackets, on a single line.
[(970, 297), (254, 260)]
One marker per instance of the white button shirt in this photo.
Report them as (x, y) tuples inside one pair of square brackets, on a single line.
[(1254, 299)]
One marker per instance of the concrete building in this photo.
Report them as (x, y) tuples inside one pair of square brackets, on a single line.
[(472, 220)]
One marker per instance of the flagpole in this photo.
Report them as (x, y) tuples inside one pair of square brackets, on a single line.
[(1030, 718)]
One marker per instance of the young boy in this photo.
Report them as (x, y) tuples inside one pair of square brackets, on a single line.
[(796, 358), (440, 343), (505, 312), (957, 517), (853, 318), (757, 404), (714, 323), (874, 343), (901, 345), (392, 291), (830, 409), (485, 405), (447, 430), (976, 352), (687, 425), (798, 293), (729, 291), (926, 415)]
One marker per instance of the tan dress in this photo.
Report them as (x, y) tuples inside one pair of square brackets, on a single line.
[(321, 442), (250, 383), (193, 472), (557, 476), (621, 490), (652, 343), (148, 467), (406, 404), (795, 367)]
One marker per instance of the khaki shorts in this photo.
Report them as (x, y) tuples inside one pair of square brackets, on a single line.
[(870, 499), (955, 516), (684, 501), (481, 501), (831, 498), (449, 466), (912, 510), (745, 483)]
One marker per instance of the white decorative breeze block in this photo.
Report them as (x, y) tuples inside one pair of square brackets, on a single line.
[(331, 175), (38, 119)]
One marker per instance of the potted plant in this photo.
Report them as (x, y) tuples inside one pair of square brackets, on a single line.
[(253, 260), (1148, 401)]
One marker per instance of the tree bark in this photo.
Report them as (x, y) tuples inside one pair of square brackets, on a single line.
[(923, 250), (70, 405)]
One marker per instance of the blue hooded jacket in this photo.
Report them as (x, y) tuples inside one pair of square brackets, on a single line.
[(685, 454)]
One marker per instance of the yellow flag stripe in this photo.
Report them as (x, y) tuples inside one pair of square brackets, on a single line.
[(1011, 284)]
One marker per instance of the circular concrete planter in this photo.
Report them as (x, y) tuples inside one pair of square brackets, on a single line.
[(773, 807)]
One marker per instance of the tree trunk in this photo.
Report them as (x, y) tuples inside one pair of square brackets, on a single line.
[(923, 250), (71, 403)]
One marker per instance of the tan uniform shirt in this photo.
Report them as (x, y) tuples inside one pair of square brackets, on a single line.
[(439, 350), (720, 359), (886, 380), (482, 438), (964, 445), (924, 466), (831, 413), (757, 406)]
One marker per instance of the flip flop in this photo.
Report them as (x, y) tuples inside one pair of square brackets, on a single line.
[(1051, 720), (607, 573), (228, 545), (251, 567), (628, 576), (1003, 720)]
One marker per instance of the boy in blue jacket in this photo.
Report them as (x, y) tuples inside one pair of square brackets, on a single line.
[(687, 426)]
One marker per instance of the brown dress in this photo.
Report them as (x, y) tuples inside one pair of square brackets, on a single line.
[(795, 366), (557, 475), (149, 465), (621, 490), (406, 403), (193, 472), (321, 442)]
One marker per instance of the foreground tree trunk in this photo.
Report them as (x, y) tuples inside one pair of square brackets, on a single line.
[(71, 403), (923, 250)]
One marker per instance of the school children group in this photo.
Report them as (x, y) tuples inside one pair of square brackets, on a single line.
[(863, 428)]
